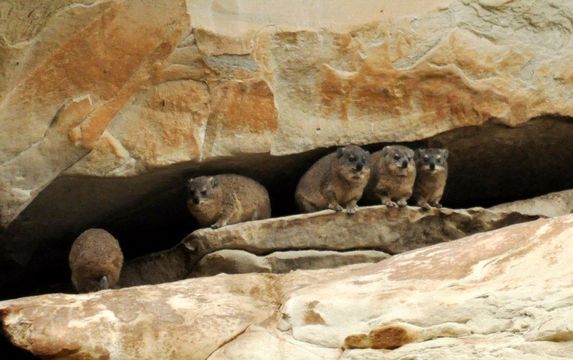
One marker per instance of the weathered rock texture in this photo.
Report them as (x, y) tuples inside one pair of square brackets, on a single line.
[(282, 244), (549, 205), (278, 262), (114, 88), (107, 105), (504, 294)]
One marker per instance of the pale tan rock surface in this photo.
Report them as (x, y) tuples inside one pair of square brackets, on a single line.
[(278, 262), (505, 294), (318, 240), (549, 205), (168, 82), (392, 230)]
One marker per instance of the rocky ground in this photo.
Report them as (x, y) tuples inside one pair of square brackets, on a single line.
[(500, 294)]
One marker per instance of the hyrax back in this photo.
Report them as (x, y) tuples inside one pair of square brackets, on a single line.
[(95, 261), (392, 176), (335, 181), (432, 173), (227, 199)]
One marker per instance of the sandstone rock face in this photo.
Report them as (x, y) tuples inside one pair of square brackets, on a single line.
[(392, 230), (311, 241), (504, 294), (112, 88), (278, 262), (549, 205)]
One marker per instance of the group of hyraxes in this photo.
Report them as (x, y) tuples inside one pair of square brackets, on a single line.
[(337, 181)]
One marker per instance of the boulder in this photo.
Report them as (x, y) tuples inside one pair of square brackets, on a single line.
[(505, 293)]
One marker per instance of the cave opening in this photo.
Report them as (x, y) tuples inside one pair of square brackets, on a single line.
[(488, 165)]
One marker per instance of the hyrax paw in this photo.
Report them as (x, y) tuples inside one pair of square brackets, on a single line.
[(351, 209), (389, 203), (216, 226), (336, 207), (437, 205), (425, 206), (402, 203)]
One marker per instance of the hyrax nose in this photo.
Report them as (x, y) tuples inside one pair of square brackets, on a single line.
[(195, 199), (432, 166), (359, 166), (404, 164)]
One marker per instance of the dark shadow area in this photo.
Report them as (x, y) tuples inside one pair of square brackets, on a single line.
[(490, 164), (493, 164), (11, 352), (146, 213)]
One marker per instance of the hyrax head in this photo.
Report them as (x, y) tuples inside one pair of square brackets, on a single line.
[(431, 159), (399, 159), (352, 163), (203, 189)]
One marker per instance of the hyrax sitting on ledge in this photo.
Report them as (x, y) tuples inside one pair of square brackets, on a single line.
[(95, 261), (432, 172), (392, 176), (335, 181), (227, 199)]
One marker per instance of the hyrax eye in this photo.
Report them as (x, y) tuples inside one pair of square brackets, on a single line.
[(352, 158), (426, 158), (203, 192), (396, 157)]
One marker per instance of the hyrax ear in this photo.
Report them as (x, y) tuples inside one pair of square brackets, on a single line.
[(445, 153), (339, 152), (214, 181)]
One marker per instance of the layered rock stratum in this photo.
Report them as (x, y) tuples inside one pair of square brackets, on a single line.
[(115, 89), (107, 105), (505, 294)]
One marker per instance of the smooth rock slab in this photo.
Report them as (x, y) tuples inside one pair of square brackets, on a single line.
[(503, 294), (378, 228), (392, 230), (549, 205), (241, 262)]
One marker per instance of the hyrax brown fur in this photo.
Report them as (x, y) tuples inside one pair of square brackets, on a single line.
[(95, 261), (392, 176), (226, 199), (432, 173), (336, 181)]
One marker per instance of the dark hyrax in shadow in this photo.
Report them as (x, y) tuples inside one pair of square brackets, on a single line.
[(336, 181), (95, 261), (392, 176), (432, 173), (226, 199)]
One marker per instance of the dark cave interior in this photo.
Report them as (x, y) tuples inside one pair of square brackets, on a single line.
[(488, 165)]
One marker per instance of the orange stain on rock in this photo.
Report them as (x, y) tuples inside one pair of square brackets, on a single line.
[(244, 106)]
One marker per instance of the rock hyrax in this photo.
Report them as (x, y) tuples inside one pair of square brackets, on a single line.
[(432, 172), (227, 199), (95, 261), (335, 181), (392, 176)]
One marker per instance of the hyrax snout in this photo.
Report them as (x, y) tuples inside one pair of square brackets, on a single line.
[(226, 199), (432, 173), (95, 261), (393, 172), (336, 181)]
